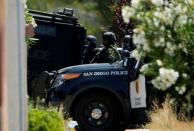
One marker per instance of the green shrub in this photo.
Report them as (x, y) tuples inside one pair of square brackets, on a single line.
[(44, 119)]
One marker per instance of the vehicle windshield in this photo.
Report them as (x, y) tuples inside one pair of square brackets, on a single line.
[(118, 63)]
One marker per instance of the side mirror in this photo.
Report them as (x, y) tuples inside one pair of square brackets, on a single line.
[(125, 62), (129, 62)]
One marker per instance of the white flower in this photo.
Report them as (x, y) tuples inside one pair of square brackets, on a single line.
[(72, 124), (162, 15), (159, 62), (183, 48), (185, 10), (161, 39), (166, 3), (170, 49), (182, 20), (144, 68), (157, 13), (168, 44), (33, 23), (166, 78), (181, 89), (170, 5), (146, 47), (160, 84), (184, 75), (169, 74), (158, 2), (139, 36), (191, 2), (140, 15), (160, 42), (157, 44), (172, 101), (178, 8), (139, 39), (185, 64), (135, 54), (127, 12), (148, 20), (166, 15), (156, 22), (135, 3)]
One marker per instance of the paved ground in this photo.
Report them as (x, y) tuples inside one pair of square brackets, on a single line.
[(137, 130)]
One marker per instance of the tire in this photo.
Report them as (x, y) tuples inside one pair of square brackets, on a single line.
[(97, 112)]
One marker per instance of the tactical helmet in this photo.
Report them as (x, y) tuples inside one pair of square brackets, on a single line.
[(92, 40), (109, 38), (128, 43), (127, 39)]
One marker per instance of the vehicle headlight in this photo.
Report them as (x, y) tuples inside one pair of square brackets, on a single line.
[(60, 79)]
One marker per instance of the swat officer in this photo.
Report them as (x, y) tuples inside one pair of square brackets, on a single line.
[(127, 46), (108, 53), (128, 43), (89, 50)]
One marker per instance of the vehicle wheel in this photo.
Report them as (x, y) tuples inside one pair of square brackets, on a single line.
[(97, 112)]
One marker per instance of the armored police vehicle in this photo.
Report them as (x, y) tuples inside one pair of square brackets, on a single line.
[(60, 43), (101, 97)]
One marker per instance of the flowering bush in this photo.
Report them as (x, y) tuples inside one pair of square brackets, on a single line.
[(165, 32), (30, 25)]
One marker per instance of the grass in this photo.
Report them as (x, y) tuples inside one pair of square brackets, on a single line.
[(164, 119)]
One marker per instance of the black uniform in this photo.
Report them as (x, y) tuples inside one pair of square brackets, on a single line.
[(89, 50), (127, 46)]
